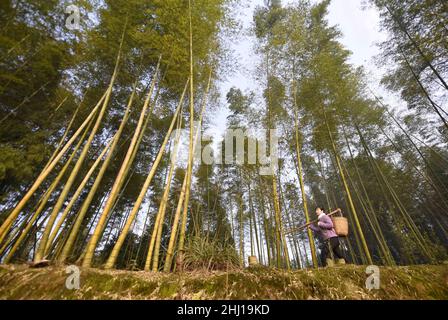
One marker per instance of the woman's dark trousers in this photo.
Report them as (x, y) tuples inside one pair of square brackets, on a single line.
[(334, 245)]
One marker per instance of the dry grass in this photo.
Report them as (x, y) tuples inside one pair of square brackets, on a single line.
[(348, 282)]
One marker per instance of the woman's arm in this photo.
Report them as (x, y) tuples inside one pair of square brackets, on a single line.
[(314, 228), (325, 223)]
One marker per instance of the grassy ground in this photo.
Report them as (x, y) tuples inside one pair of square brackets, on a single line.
[(345, 282)]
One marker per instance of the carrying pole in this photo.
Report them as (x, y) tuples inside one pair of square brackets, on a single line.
[(310, 223)]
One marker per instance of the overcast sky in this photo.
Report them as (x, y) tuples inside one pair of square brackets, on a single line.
[(361, 32)]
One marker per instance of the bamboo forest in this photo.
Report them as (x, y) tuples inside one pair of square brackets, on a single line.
[(130, 148)]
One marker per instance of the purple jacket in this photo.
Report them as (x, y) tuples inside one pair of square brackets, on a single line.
[(325, 227)]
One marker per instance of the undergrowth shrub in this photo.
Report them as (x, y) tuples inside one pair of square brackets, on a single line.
[(203, 253)]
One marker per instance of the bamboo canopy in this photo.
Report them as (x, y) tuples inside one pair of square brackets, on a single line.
[(86, 176)]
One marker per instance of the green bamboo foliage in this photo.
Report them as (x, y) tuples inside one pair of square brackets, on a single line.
[(67, 209), (414, 43)]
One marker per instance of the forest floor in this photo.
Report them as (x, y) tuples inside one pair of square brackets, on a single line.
[(343, 282)]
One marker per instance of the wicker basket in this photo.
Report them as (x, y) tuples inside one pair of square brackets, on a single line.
[(340, 226)]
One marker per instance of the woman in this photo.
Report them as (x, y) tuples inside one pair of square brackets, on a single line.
[(325, 230)]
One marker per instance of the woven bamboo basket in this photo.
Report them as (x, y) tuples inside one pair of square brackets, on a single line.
[(340, 226)]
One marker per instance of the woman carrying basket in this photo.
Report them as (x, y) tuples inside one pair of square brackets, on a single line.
[(325, 230)]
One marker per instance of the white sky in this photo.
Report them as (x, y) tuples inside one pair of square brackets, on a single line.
[(361, 32)]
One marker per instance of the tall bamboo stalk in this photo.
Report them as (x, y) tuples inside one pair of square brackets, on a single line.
[(383, 251), (83, 183), (350, 218), (171, 244), (423, 174), (163, 204), (279, 223), (265, 222), (241, 228), (190, 151), (301, 182), (253, 217), (374, 221), (293, 243), (425, 92), (64, 136)]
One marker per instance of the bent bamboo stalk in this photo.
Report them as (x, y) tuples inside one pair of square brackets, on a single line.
[(110, 147), (162, 209), (43, 201), (118, 183), (43, 242), (114, 254), (40, 179), (86, 204), (76, 195), (44, 239)]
